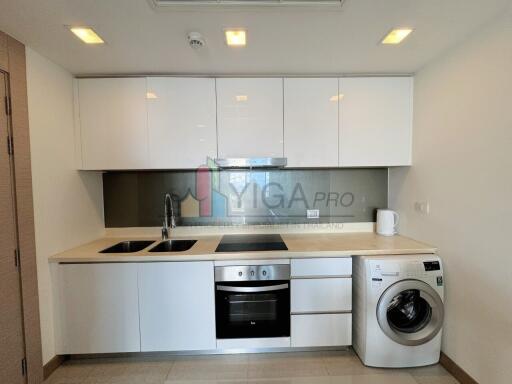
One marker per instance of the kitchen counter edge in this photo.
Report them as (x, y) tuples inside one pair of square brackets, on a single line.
[(299, 246)]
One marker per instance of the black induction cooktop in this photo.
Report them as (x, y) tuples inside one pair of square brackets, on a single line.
[(248, 243)]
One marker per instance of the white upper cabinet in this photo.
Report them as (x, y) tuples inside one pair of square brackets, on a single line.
[(250, 117), (113, 123), (375, 121), (311, 122), (176, 123), (181, 121)]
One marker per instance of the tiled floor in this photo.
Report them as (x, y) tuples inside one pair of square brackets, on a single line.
[(340, 367)]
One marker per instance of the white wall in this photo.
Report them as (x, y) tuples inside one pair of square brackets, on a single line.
[(68, 205), (462, 160)]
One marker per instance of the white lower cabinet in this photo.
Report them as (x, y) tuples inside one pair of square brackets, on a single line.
[(177, 306), (97, 308), (321, 267), (170, 306), (321, 295), (321, 302), (321, 330)]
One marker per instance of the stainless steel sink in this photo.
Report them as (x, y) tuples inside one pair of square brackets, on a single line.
[(173, 246), (128, 246)]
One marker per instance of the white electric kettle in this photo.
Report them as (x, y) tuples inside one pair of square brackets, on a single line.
[(387, 222)]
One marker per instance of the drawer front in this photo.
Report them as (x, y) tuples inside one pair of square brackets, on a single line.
[(321, 295), (326, 330), (341, 266)]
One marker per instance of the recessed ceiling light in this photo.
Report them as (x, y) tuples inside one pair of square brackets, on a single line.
[(336, 97), (87, 35), (236, 37), (241, 98), (151, 95), (396, 36)]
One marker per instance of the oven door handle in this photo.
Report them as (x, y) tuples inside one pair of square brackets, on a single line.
[(252, 289)]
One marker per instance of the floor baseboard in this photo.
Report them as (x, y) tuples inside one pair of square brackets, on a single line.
[(53, 364), (461, 375)]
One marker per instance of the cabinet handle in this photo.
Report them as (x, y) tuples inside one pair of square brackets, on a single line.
[(252, 289)]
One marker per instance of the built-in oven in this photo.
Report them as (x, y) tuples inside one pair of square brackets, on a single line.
[(252, 301)]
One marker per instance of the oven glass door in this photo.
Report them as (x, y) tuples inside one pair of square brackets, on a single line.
[(253, 309)]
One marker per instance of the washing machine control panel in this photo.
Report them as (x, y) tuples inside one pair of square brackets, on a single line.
[(431, 266), (384, 272)]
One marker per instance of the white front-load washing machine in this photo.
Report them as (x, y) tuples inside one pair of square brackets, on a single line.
[(398, 309)]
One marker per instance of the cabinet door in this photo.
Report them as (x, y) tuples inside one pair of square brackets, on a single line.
[(375, 121), (113, 123), (250, 117), (321, 330), (322, 267), (321, 295), (97, 308), (177, 306), (181, 122), (311, 122)]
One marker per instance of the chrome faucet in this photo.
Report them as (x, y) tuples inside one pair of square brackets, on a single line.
[(169, 218)]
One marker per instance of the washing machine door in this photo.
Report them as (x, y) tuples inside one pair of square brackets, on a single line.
[(410, 312)]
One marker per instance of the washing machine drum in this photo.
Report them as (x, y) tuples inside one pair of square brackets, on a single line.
[(410, 312)]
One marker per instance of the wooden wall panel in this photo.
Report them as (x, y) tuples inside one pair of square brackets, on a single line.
[(12, 342), (4, 61), (25, 209)]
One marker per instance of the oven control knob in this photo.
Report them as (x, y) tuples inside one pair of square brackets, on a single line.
[(264, 273), (240, 273), (252, 273)]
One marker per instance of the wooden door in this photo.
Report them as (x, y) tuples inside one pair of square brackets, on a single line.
[(12, 350)]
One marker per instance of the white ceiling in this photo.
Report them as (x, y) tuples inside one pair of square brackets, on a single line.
[(282, 40)]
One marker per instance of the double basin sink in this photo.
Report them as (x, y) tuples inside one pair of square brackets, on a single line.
[(139, 245)]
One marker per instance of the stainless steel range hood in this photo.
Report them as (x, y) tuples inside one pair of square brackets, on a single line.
[(252, 162)]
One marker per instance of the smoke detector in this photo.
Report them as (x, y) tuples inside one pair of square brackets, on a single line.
[(196, 40)]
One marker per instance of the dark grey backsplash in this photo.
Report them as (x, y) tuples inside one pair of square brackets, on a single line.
[(212, 197)]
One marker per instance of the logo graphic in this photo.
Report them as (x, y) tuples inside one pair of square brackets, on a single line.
[(206, 200), (257, 194)]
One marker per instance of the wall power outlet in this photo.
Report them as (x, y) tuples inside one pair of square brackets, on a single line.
[(313, 213), (422, 207)]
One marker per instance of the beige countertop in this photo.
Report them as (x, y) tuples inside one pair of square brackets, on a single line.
[(303, 245)]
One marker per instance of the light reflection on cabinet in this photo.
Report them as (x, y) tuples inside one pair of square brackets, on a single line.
[(181, 122), (250, 117), (375, 121), (311, 122), (113, 123)]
